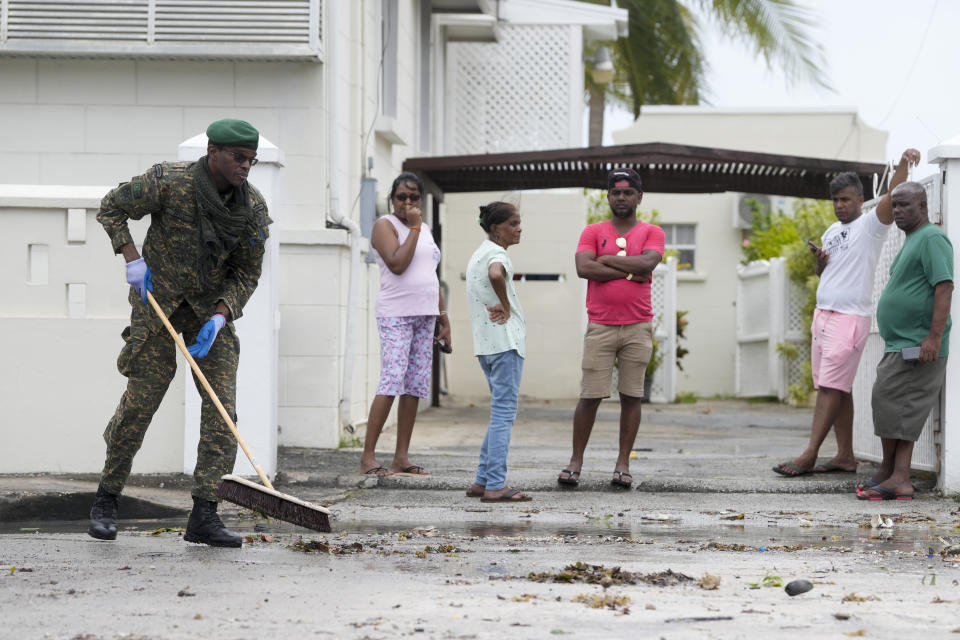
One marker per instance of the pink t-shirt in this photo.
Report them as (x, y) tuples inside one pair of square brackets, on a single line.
[(619, 301), (416, 291)]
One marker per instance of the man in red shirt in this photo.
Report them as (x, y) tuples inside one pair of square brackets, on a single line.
[(617, 258)]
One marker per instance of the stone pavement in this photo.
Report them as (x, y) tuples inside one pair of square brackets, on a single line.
[(712, 446)]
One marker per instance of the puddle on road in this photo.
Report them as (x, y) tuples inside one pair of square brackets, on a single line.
[(905, 538)]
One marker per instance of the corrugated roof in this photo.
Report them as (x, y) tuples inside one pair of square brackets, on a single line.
[(664, 168)]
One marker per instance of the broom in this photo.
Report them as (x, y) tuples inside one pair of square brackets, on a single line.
[(264, 499)]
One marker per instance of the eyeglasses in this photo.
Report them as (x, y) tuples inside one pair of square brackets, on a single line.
[(240, 158), (403, 197), (622, 244)]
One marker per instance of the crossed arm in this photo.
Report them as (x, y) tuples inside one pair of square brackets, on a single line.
[(609, 267)]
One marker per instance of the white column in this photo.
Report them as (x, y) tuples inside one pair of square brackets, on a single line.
[(947, 155), (258, 331)]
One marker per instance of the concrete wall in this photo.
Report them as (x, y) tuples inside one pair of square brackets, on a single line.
[(59, 381), (554, 311), (709, 291)]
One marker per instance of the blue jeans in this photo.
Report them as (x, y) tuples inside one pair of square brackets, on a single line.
[(503, 371)]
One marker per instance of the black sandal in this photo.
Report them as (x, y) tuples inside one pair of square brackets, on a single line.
[(572, 479), (618, 480)]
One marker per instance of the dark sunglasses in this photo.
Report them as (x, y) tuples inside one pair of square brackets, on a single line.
[(403, 197), (240, 158)]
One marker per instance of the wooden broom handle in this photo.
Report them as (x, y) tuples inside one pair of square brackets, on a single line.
[(206, 385)]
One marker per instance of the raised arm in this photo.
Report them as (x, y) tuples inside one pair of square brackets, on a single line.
[(884, 207), (385, 240)]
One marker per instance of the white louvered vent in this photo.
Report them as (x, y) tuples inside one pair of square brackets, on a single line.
[(223, 29), (89, 20), (233, 20)]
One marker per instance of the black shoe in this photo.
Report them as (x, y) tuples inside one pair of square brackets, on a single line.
[(103, 515), (206, 527)]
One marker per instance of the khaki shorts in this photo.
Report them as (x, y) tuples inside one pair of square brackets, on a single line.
[(904, 394), (629, 344)]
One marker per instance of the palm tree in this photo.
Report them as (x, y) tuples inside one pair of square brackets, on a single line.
[(661, 61)]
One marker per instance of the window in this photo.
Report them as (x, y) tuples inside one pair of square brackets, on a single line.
[(682, 238)]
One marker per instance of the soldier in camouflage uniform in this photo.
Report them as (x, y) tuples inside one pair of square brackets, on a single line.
[(202, 258)]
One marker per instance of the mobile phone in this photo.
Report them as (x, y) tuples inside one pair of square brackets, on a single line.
[(813, 246), (443, 346), (910, 353)]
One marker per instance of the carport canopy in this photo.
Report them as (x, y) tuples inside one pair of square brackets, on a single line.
[(664, 168)]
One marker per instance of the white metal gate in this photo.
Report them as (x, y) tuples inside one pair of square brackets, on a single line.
[(866, 445), (768, 314)]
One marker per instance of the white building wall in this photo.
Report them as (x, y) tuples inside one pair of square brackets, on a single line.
[(709, 291), (77, 122), (59, 384)]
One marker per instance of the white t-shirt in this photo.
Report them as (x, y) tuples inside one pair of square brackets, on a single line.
[(489, 337), (846, 284)]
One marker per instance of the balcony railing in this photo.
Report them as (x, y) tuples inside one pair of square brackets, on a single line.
[(200, 29)]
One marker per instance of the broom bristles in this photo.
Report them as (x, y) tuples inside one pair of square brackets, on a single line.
[(271, 502)]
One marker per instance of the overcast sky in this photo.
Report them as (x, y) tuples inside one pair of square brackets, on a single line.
[(897, 62)]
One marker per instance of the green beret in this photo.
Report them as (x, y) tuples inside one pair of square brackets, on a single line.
[(234, 133)]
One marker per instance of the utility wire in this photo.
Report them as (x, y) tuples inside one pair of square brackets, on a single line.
[(923, 42)]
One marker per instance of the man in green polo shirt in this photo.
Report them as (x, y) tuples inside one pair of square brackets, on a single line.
[(913, 315), (202, 258)]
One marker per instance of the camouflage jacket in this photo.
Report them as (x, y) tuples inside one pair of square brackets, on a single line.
[(166, 193)]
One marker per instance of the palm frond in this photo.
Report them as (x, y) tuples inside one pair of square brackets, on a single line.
[(778, 30), (660, 60)]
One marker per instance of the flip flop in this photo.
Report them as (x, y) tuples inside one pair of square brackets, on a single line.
[(412, 470), (869, 484), (830, 468), (508, 497), (378, 471), (618, 480), (795, 471), (572, 479), (883, 494)]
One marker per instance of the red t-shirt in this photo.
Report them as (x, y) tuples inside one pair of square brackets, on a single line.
[(619, 301)]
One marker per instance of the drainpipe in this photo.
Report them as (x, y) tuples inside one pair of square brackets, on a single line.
[(335, 212)]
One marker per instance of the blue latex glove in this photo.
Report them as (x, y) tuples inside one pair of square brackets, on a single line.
[(140, 278), (207, 335)]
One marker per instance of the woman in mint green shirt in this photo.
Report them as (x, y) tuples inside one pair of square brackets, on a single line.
[(499, 342)]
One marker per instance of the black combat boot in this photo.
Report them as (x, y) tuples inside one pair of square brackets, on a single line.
[(103, 515), (206, 527)]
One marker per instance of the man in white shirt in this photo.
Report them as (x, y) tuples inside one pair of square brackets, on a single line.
[(846, 263)]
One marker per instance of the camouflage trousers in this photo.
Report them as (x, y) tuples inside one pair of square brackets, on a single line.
[(149, 362)]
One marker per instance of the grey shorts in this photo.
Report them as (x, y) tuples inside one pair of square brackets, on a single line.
[(627, 344), (903, 395)]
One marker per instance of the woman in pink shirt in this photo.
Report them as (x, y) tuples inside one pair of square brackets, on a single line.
[(409, 306)]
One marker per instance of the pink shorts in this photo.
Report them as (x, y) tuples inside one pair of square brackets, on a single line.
[(406, 355), (838, 340)]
